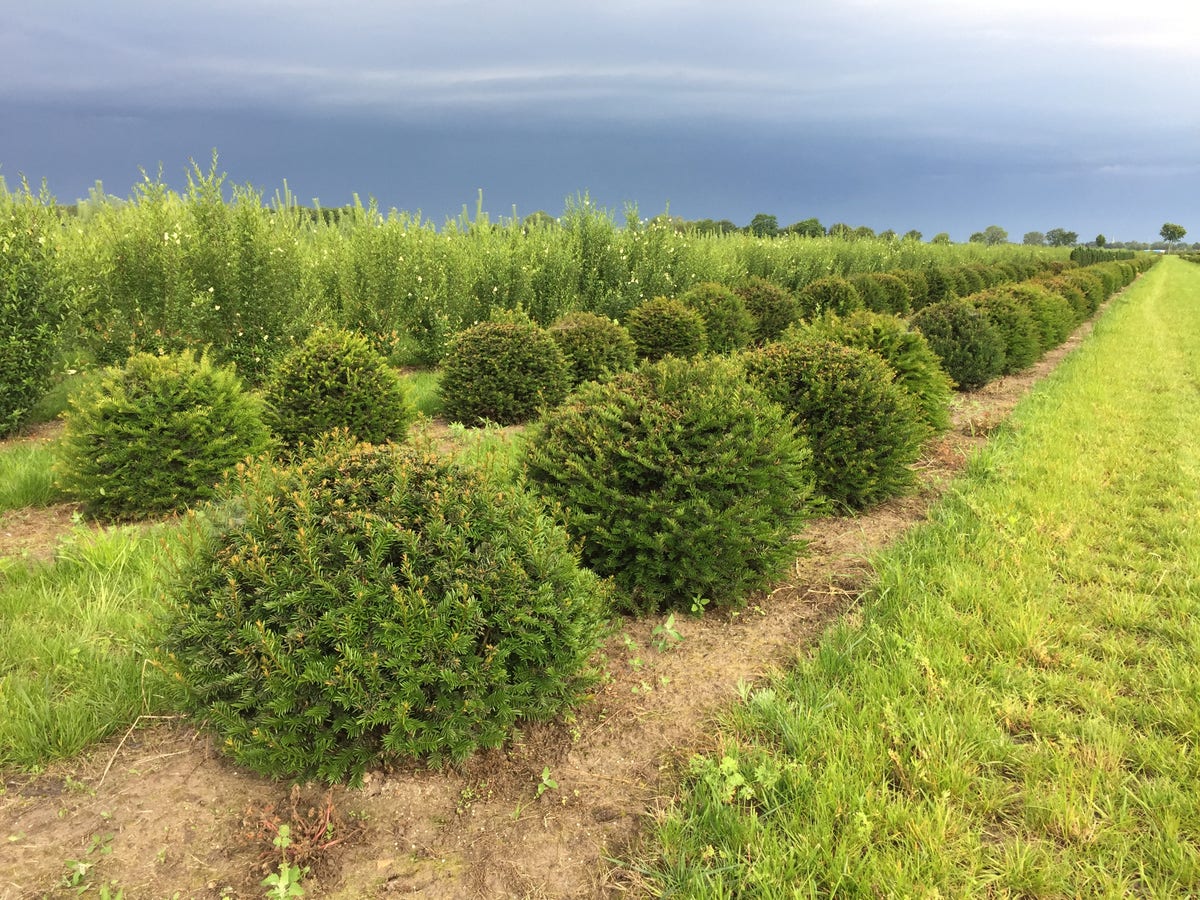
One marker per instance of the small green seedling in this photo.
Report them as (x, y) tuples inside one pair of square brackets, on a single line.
[(665, 636), (286, 882)]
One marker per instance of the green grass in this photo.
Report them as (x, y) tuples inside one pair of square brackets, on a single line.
[(25, 476), (423, 391), (1016, 710), (74, 639)]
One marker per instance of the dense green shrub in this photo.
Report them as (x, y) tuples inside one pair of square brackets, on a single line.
[(831, 294), (666, 326), (378, 601), (971, 347), (917, 368), (898, 297), (156, 435), (969, 280), (1051, 312), (335, 379), (1070, 292), (872, 293), (942, 284), (918, 287), (31, 306), (1022, 338), (1091, 285), (594, 346), (680, 479), (502, 372), (772, 307), (728, 325), (865, 431)]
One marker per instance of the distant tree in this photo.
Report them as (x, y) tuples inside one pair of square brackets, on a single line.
[(1170, 232), (975, 238), (1060, 237), (763, 225), (806, 228), (888, 235), (841, 230), (864, 232), (539, 219), (1034, 238), (994, 235), (913, 235), (940, 238), (709, 226), (1101, 240)]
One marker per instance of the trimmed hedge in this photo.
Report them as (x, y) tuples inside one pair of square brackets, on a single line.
[(502, 372), (663, 326), (374, 602), (832, 294), (594, 346), (772, 307), (681, 480), (970, 347), (156, 435), (727, 323)]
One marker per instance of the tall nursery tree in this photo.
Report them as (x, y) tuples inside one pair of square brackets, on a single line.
[(1171, 233)]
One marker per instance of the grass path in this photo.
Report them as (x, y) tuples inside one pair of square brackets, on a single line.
[(1016, 709)]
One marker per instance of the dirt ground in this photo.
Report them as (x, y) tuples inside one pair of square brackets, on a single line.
[(158, 813)]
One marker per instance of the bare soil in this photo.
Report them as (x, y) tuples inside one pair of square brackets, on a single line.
[(160, 813)]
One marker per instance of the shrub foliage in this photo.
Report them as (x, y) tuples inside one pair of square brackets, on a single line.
[(971, 347), (374, 601), (865, 431), (772, 308), (727, 323), (665, 326), (830, 294), (593, 345), (335, 379), (502, 372), (156, 435), (681, 480)]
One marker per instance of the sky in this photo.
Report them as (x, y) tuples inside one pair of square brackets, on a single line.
[(938, 115)]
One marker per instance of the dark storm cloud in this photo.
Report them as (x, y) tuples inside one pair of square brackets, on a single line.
[(921, 114)]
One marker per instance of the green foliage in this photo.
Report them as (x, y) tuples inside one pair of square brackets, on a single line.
[(680, 479), (918, 287), (874, 297), (865, 431), (941, 284), (378, 601), (1052, 314), (502, 372), (1090, 283), (32, 306), (1022, 337), (593, 345), (667, 327), (831, 294), (970, 346), (916, 367), (1069, 291), (335, 379), (156, 435), (896, 293), (728, 325), (772, 308)]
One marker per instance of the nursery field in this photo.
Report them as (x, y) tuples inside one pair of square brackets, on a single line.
[(1034, 717)]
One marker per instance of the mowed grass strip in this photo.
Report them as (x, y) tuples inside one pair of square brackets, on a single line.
[(1016, 710), (75, 636)]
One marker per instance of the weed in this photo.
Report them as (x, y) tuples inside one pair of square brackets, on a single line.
[(664, 636), (286, 881), (547, 783)]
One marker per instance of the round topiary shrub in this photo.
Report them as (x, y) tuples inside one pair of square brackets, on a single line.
[(1076, 298), (918, 287), (667, 327), (968, 279), (1051, 312), (336, 379), (874, 297), (377, 601), (898, 298), (832, 294), (728, 325), (970, 347), (1091, 285), (502, 372), (942, 284), (865, 431), (156, 435), (917, 368), (594, 346), (772, 307), (680, 479), (1022, 339)]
